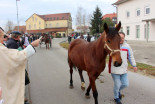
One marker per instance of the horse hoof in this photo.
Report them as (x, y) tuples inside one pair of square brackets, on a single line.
[(83, 88), (71, 87), (87, 96)]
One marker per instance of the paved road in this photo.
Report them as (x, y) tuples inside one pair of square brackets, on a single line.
[(144, 52), (49, 75)]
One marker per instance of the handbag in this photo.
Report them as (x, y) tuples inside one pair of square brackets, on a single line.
[(27, 80)]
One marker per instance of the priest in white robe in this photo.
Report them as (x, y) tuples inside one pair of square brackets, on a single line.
[(12, 71)]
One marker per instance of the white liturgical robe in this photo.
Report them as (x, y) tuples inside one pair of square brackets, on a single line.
[(12, 73)]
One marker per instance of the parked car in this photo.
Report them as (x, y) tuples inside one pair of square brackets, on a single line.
[(85, 37)]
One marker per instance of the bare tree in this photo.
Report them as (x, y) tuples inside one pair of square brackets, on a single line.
[(81, 20), (89, 19), (9, 26)]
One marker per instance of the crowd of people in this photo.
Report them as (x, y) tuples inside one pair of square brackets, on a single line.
[(75, 36)]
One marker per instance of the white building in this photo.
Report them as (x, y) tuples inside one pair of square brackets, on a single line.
[(137, 18)]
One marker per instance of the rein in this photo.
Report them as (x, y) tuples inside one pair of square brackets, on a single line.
[(112, 51)]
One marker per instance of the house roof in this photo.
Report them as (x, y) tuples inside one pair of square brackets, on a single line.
[(150, 19), (120, 2), (51, 17), (1, 29), (109, 15), (82, 27), (21, 29), (48, 30)]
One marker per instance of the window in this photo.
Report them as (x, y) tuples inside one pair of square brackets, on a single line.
[(46, 25), (138, 12), (128, 30), (147, 10), (34, 26), (57, 25), (127, 14), (62, 18), (39, 22), (32, 18), (137, 31), (50, 25), (57, 18), (121, 30), (29, 26), (51, 18), (114, 19), (36, 19), (146, 31)]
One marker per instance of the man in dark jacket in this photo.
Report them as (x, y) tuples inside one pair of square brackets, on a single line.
[(88, 38), (13, 42)]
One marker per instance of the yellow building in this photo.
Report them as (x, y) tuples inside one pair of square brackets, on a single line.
[(60, 24)]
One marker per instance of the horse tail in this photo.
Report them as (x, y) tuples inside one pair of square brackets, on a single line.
[(70, 63)]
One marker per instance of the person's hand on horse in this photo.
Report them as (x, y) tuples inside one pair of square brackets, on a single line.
[(135, 69), (35, 43)]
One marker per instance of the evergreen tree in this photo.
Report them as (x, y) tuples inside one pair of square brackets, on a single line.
[(96, 21)]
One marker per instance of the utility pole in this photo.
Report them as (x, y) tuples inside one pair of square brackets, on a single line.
[(17, 14)]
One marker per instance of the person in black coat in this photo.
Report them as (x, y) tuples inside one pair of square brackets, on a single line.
[(88, 38), (69, 38), (13, 42)]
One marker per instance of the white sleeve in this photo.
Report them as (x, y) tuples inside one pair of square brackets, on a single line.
[(1, 101), (131, 57), (30, 50)]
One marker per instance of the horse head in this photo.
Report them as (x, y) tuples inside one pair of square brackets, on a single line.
[(112, 43)]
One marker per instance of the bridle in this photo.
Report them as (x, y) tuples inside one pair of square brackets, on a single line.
[(112, 51)]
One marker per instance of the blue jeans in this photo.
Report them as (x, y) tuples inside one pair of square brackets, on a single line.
[(120, 82)]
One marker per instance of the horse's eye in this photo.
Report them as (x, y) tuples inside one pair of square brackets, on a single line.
[(108, 41)]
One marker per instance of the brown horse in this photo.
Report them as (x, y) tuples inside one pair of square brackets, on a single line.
[(46, 38), (91, 57)]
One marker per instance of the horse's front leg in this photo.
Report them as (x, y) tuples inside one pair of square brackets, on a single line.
[(92, 79), (87, 92)]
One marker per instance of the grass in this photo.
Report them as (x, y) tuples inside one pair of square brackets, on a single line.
[(64, 45), (142, 68)]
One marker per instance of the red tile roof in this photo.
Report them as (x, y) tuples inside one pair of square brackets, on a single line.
[(109, 15), (48, 30), (22, 29), (51, 17), (82, 27)]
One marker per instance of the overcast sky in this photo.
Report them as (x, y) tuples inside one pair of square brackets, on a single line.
[(26, 8)]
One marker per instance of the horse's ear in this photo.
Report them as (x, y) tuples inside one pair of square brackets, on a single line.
[(118, 26), (106, 29)]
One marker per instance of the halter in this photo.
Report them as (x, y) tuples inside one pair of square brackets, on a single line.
[(112, 51)]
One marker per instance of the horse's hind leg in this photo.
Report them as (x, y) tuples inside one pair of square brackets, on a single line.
[(71, 73), (48, 46), (82, 80)]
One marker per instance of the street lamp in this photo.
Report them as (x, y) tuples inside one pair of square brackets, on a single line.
[(17, 14)]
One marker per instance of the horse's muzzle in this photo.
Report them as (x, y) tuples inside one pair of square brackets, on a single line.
[(117, 64)]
